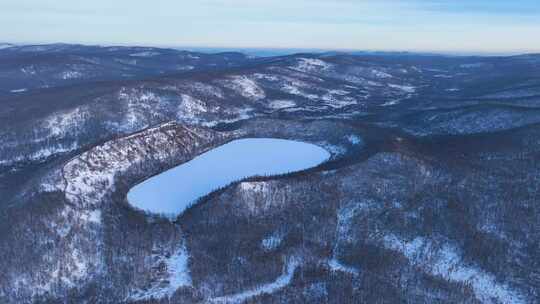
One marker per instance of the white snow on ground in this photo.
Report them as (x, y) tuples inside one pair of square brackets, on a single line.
[(90, 176), (138, 104), (452, 90), (127, 61), (303, 109), (338, 101), (391, 102), (257, 187), (396, 101), (145, 54), (443, 76), (281, 282), (19, 90), (177, 266), (272, 242), (93, 217), (268, 77), (311, 65), (343, 235), (404, 88), (281, 104), (333, 149), (435, 70), (41, 154), (29, 70), (336, 265), (190, 108), (373, 83), (380, 74), (49, 151), (50, 184), (71, 75), (205, 89), (60, 123), (246, 87), (344, 218), (294, 89), (236, 113), (184, 67), (338, 92), (445, 261), (74, 269), (177, 276), (354, 139), (472, 65)]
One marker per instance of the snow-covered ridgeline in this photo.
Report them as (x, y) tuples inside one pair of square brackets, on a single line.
[(91, 176), (310, 65)]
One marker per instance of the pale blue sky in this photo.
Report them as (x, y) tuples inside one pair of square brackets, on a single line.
[(495, 26)]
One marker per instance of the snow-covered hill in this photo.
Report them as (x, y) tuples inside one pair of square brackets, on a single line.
[(430, 196)]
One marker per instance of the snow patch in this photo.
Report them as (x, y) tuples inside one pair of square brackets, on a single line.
[(293, 88), (246, 87), (184, 67), (266, 77), (280, 283), (335, 150), (61, 123), (43, 153), (443, 76), (71, 75), (145, 54), (404, 88), (281, 104), (445, 261), (254, 187), (309, 65), (472, 65), (354, 139), (93, 217), (337, 266), (380, 74), (272, 242), (178, 276), (338, 101), (29, 70), (190, 108)]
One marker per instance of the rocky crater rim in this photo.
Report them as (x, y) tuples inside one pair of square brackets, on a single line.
[(174, 190)]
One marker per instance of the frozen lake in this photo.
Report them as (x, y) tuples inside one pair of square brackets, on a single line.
[(172, 191)]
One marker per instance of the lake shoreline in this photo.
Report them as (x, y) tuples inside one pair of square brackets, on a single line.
[(171, 192)]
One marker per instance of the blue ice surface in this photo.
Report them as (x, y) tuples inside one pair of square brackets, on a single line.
[(172, 191)]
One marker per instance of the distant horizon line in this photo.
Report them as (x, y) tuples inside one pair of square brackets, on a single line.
[(285, 49)]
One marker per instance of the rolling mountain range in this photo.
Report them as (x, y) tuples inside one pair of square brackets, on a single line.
[(431, 194)]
